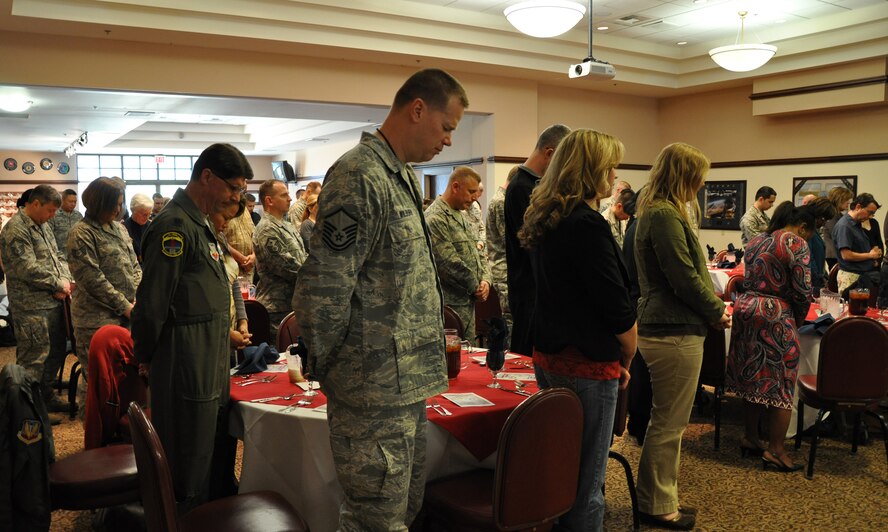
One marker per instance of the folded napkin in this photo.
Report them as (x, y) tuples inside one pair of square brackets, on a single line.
[(257, 358), (818, 326), (726, 265)]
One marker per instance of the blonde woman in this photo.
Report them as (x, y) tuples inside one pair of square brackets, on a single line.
[(841, 198), (676, 308), (578, 345)]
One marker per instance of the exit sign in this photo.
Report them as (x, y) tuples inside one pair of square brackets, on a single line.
[(159, 159)]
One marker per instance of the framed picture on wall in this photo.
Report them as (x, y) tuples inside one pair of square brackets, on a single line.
[(722, 204), (821, 185)]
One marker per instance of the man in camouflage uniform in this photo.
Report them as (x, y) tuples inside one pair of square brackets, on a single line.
[(65, 218), (279, 253), (462, 269), (370, 306), (180, 328), (38, 280), (473, 214), (496, 247), (104, 266)]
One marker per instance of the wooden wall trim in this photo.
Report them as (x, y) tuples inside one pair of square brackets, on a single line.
[(34, 182), (804, 160), (876, 80)]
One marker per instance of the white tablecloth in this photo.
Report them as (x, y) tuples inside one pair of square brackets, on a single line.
[(719, 280), (290, 454)]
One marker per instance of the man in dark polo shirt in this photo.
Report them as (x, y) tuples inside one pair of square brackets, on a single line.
[(858, 260)]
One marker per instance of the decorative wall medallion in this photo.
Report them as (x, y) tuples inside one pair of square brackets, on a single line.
[(28, 168), (64, 168), (46, 163), (10, 164)]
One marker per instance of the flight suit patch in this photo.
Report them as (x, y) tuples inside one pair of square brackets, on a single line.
[(172, 244), (30, 432), (340, 231)]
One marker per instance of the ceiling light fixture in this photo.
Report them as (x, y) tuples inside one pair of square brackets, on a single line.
[(544, 18), (79, 142), (742, 57), (15, 103)]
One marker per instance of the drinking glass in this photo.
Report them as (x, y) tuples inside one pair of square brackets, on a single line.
[(310, 392), (495, 361), (858, 301), (452, 352)]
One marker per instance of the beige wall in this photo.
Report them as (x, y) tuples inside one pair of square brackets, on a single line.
[(721, 124)]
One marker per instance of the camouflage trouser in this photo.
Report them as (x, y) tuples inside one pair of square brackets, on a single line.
[(380, 460), (40, 343), (466, 313)]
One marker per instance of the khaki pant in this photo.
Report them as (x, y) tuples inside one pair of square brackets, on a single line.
[(674, 363)]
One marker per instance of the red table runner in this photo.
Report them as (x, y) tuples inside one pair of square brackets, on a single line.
[(477, 428)]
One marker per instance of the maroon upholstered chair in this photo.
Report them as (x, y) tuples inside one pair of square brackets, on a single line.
[(288, 331), (832, 283), (453, 321), (94, 478), (264, 511), (852, 376), (540, 441), (260, 323), (733, 288), (484, 310)]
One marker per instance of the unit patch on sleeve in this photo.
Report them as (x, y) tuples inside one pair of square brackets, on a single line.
[(30, 432), (172, 244)]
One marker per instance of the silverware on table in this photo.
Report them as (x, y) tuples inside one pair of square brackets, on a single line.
[(302, 402), (268, 378), (275, 398), (440, 409)]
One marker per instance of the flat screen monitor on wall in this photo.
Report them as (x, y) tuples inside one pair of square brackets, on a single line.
[(283, 171)]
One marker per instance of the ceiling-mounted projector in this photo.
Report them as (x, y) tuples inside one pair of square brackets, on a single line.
[(591, 67)]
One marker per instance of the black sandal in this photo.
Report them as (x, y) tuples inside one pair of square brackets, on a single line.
[(770, 460)]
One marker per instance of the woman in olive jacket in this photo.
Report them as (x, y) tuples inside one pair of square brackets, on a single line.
[(675, 310)]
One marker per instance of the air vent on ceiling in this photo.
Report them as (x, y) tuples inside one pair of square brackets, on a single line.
[(139, 114), (635, 20)]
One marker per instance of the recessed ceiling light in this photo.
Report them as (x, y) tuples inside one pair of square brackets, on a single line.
[(15, 103), (682, 43), (602, 28)]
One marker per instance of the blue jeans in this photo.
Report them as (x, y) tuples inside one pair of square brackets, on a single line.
[(599, 399)]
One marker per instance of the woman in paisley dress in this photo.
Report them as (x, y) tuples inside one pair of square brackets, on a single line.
[(764, 355)]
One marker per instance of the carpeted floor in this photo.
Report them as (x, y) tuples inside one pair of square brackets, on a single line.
[(849, 492)]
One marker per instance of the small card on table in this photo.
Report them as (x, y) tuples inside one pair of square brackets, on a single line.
[(466, 399)]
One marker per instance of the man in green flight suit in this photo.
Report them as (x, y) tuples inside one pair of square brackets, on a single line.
[(369, 303), (180, 327)]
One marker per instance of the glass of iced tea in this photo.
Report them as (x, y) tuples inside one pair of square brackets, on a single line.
[(453, 352), (858, 300)]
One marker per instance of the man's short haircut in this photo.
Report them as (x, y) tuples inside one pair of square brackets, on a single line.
[(313, 187), (68, 192), (156, 196), (625, 197), (225, 161), (551, 137), (265, 189), (141, 202), (434, 86), (864, 200), (251, 197), (765, 192), (461, 173), (45, 194)]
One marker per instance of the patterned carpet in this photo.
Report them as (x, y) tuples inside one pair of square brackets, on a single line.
[(849, 492)]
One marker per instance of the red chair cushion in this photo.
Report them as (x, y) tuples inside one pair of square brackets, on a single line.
[(96, 478), (264, 511), (466, 499)]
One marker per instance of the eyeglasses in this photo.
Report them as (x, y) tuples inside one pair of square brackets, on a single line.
[(233, 188)]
